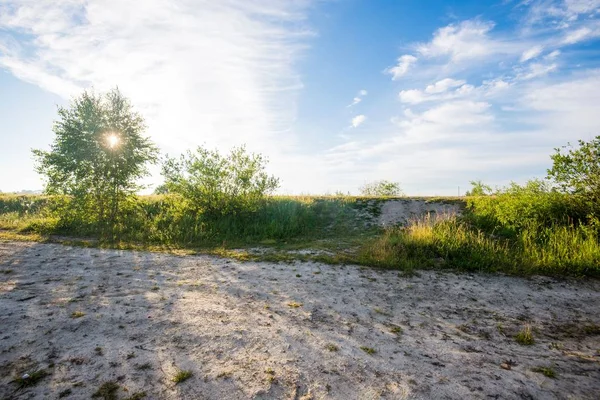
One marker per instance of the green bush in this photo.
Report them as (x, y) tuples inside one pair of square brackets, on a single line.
[(512, 209)]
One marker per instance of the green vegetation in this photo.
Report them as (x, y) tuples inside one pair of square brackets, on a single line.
[(525, 336), (381, 189), (182, 375), (31, 379), (108, 391), (547, 226), (97, 156), (369, 350), (546, 371)]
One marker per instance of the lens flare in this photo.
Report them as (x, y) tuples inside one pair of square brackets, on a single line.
[(112, 140)]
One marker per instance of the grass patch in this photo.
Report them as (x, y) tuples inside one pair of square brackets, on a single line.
[(182, 376), (108, 391), (294, 304), (332, 347), (369, 350), (77, 314), (546, 371), (396, 329), (31, 379), (143, 367), (525, 336)]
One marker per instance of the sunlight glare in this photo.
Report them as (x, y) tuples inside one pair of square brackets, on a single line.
[(113, 140)]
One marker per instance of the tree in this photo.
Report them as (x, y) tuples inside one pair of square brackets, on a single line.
[(97, 156), (478, 188), (381, 188), (576, 170), (215, 185)]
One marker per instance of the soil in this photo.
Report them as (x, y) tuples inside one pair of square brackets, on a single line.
[(88, 317)]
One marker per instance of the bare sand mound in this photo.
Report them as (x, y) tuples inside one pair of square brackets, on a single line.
[(274, 331), (401, 211)]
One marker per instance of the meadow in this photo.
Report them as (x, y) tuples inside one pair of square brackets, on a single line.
[(520, 230)]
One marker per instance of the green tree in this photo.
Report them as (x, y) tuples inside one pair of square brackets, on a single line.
[(381, 188), (214, 184), (576, 170), (478, 188), (98, 155)]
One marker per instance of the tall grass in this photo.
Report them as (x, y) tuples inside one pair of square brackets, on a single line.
[(524, 230), (167, 219)]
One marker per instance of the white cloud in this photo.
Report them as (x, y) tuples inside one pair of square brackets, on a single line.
[(443, 85), (577, 35), (404, 64), (358, 120), (361, 93), (576, 7), (536, 70), (553, 55), (464, 41), (219, 73), (532, 53)]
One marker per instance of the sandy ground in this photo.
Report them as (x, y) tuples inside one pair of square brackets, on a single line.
[(278, 331), (394, 212)]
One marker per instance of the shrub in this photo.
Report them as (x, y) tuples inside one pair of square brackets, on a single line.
[(381, 189), (219, 185)]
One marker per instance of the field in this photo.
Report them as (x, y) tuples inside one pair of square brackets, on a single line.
[(113, 324)]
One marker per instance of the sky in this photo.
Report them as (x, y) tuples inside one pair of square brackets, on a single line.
[(336, 93)]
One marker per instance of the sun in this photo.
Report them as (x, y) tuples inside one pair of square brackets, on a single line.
[(113, 140)]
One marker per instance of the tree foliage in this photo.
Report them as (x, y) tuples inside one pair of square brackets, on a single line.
[(215, 184), (478, 188), (97, 156), (381, 188), (576, 170)]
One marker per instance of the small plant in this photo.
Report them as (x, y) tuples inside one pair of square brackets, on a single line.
[(77, 314), (31, 379), (396, 329), (182, 376), (7, 271), (298, 276), (108, 391), (332, 347), (271, 375), (525, 337), (155, 288), (65, 393), (546, 371), (99, 351), (130, 355), (294, 304), (369, 350), (143, 367)]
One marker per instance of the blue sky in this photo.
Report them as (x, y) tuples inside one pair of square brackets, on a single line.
[(336, 93)]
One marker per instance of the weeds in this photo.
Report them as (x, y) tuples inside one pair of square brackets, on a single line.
[(77, 314), (108, 391), (332, 347), (396, 329), (182, 376), (31, 379), (525, 336), (546, 371), (369, 350)]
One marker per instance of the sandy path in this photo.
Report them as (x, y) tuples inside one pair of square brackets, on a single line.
[(232, 325)]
